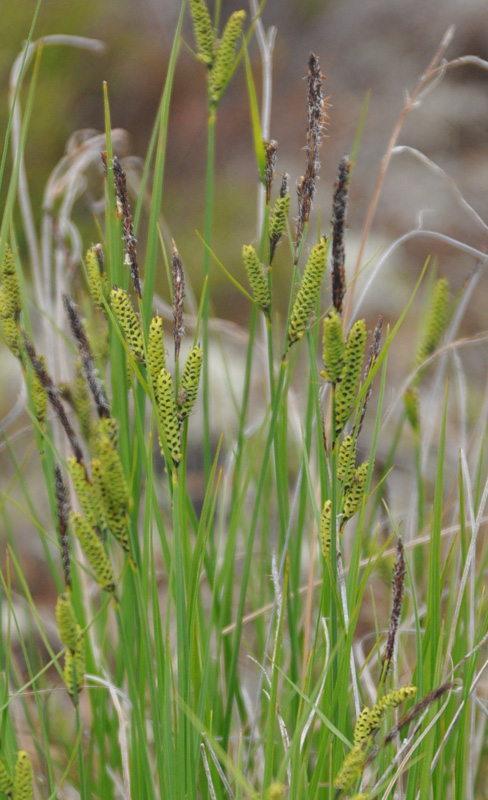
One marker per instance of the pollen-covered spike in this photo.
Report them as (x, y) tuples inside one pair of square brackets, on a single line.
[(129, 322), (436, 321), (346, 461), (257, 279), (11, 300), (352, 766), (94, 552), (156, 357), (190, 381), (168, 416), (203, 30), (223, 62), (354, 496), (75, 668), (325, 527), (84, 490), (363, 725), (97, 279), (69, 630), (333, 349), (6, 781), (23, 777), (347, 389), (308, 292)]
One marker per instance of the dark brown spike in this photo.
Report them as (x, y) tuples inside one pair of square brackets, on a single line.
[(178, 297), (123, 211), (63, 509), (86, 355), (53, 397), (271, 150), (317, 120), (398, 585), (339, 211)]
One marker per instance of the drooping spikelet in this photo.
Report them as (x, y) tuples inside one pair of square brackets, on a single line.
[(346, 390), (257, 279), (94, 552), (84, 490), (190, 381), (352, 766), (11, 299), (346, 461), (436, 321), (129, 322), (354, 495), (168, 416), (325, 527), (203, 30), (308, 292), (75, 668), (156, 357), (223, 62), (370, 720), (97, 277), (23, 777), (6, 781), (333, 349), (68, 628)]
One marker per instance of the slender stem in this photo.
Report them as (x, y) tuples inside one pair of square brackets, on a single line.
[(209, 201)]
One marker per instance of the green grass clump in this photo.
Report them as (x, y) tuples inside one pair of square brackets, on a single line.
[(294, 604)]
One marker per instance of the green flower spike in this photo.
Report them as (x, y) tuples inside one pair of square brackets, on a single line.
[(354, 496), (363, 726), (94, 552), (352, 766), (81, 401), (436, 321), (346, 462), (346, 390), (333, 352), (108, 426), (190, 381), (97, 281), (308, 292), (23, 777), (156, 357), (39, 395), (168, 416), (69, 630), (411, 400), (129, 322), (221, 71), (11, 304), (84, 490), (75, 668), (325, 527), (6, 782), (111, 488), (277, 221), (257, 279), (203, 30), (11, 331), (389, 701)]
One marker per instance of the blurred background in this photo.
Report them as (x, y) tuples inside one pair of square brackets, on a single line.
[(379, 47)]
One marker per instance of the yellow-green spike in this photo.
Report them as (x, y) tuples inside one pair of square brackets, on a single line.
[(94, 552), (113, 513), (190, 381), (97, 282), (23, 777), (84, 490), (6, 781), (203, 30), (347, 389), (363, 725), (156, 357), (325, 527), (11, 333), (352, 766), (333, 350), (75, 668), (39, 395), (168, 416), (69, 630), (354, 495), (436, 320), (257, 279), (346, 461), (129, 322), (223, 62), (308, 292), (11, 305)]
